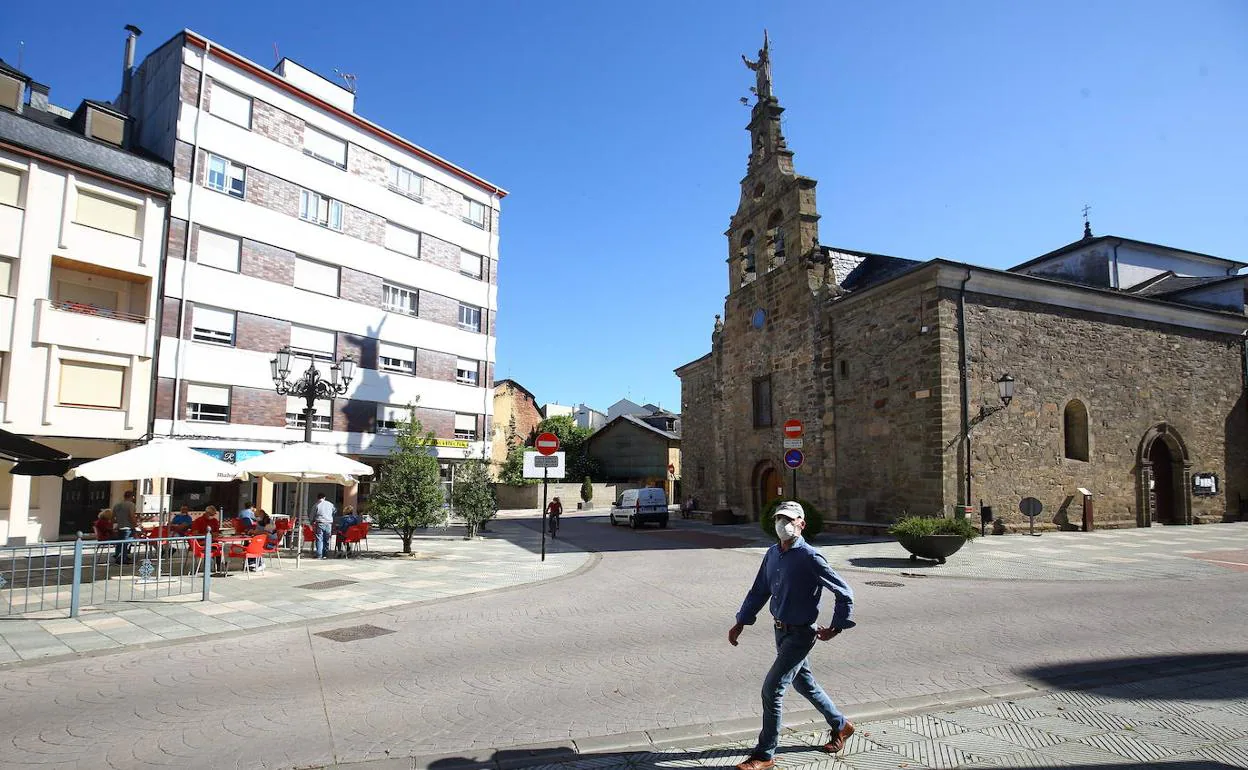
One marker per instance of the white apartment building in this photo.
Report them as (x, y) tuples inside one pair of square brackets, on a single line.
[(296, 222), (82, 225)]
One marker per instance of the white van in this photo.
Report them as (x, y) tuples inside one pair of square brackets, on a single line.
[(637, 506)]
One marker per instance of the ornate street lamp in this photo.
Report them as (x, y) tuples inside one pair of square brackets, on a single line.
[(310, 384), (1005, 388)]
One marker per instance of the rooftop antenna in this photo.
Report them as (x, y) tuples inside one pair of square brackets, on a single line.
[(1087, 225), (21, 49), (347, 78), (277, 56)]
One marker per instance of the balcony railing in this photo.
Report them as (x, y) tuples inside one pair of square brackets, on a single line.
[(102, 312)]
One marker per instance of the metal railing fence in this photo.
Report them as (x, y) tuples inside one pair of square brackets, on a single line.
[(70, 575)]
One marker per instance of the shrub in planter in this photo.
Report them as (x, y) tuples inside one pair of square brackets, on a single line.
[(922, 526), (814, 519)]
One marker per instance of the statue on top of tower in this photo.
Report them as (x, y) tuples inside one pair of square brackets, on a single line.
[(762, 69)]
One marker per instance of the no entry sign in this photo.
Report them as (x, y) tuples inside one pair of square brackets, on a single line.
[(792, 428), (547, 443)]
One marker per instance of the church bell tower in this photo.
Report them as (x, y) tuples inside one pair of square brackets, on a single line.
[(776, 220)]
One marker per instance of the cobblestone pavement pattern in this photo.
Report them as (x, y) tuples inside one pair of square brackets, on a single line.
[(636, 643)]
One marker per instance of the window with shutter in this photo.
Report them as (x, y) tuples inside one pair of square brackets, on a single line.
[(228, 104), (316, 276), (466, 371), (322, 146), (402, 240), (466, 426), (218, 250), (210, 324), (312, 343), (104, 213), (208, 403), (396, 358), (90, 384)]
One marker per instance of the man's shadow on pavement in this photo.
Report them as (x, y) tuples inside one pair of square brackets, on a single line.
[(1225, 676)]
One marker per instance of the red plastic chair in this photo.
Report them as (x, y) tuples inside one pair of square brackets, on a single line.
[(309, 537), (253, 550), (273, 547), (364, 527), (354, 534), (198, 552)]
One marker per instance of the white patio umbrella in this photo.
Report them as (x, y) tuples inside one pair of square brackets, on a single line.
[(303, 463), (158, 459)]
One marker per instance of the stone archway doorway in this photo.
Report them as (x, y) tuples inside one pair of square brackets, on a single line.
[(767, 486), (1165, 471)]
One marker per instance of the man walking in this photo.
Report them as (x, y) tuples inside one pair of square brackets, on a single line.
[(323, 524), (794, 575), (126, 520)]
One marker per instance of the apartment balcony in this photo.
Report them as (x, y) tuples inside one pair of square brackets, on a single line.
[(88, 327)]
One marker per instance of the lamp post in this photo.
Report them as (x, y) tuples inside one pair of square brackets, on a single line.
[(311, 385), (1005, 390)]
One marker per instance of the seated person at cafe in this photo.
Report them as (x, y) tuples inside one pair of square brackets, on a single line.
[(246, 518), (104, 525), (207, 521), (349, 519), (181, 522)]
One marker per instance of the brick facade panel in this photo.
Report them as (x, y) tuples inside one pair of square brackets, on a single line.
[(272, 192), (260, 260), (435, 365), (361, 224), (257, 406), (439, 252), (189, 87), (368, 165), (164, 398), (362, 349), (440, 421), (182, 154), (260, 333), (439, 309), (169, 316), (356, 286), (442, 198), (278, 125), (175, 240), (355, 416)]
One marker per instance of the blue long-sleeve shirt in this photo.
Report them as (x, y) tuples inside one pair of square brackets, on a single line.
[(795, 579)]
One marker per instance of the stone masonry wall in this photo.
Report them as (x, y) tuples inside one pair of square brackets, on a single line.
[(1131, 376), (884, 419), (699, 470), (787, 350)]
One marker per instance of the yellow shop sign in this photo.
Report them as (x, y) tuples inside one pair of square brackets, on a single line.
[(451, 443)]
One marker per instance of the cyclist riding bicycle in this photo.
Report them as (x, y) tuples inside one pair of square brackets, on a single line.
[(554, 511)]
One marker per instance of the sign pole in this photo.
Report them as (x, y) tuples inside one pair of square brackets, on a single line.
[(545, 475), (795, 483)]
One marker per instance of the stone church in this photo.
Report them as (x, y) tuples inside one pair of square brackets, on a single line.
[(1108, 366)]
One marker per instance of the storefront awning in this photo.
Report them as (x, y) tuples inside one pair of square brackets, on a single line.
[(47, 467), (15, 448)]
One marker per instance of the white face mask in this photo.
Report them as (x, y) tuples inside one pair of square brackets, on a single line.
[(785, 529)]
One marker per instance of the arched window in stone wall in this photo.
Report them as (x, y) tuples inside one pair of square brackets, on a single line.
[(747, 251), (777, 235), (1075, 430)]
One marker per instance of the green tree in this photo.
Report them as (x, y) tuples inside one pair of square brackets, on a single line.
[(474, 495), (587, 490), (407, 496), (572, 440)]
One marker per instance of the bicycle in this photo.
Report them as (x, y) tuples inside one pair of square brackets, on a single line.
[(553, 524)]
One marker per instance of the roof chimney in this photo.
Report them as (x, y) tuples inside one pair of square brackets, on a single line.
[(128, 68)]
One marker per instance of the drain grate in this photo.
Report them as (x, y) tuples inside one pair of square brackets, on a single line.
[(884, 584), (322, 585), (354, 633)]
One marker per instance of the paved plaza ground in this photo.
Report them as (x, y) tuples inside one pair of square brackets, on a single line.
[(1084, 649)]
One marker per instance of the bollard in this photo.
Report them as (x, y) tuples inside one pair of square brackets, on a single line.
[(208, 565), (75, 588)]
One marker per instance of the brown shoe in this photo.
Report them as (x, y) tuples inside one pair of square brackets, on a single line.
[(753, 763), (838, 739)]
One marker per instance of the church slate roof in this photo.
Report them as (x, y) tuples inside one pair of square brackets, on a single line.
[(1174, 284), (875, 268)]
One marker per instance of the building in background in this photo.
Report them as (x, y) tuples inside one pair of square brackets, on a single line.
[(515, 418), (631, 450), (557, 410), (298, 223), (82, 224), (588, 417)]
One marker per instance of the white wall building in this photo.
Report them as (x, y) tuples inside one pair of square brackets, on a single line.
[(82, 224), (297, 222)]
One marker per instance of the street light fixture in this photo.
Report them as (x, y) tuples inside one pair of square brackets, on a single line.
[(311, 385), (1005, 390)]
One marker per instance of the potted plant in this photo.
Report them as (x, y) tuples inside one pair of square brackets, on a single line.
[(935, 538)]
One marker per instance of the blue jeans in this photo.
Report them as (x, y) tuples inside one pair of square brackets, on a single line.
[(323, 533), (791, 667), (122, 550)]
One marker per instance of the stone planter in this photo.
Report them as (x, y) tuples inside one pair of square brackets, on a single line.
[(933, 547)]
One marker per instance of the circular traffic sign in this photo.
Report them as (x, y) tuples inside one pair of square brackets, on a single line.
[(792, 428), (1030, 507), (547, 443), (793, 458)]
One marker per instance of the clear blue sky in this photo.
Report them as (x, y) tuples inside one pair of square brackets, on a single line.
[(969, 130)]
